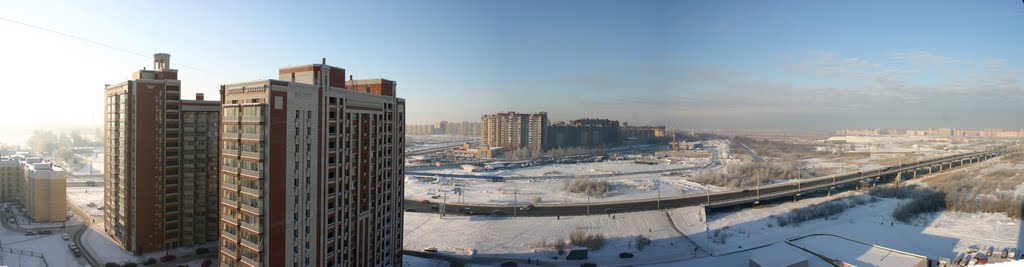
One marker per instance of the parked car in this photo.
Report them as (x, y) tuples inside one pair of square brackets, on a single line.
[(77, 252), (528, 207), (30, 233), (1012, 254), (425, 201), (430, 249), (435, 207), (45, 232), (66, 237)]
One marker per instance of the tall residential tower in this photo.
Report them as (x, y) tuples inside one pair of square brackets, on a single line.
[(514, 130), (312, 170), (160, 155)]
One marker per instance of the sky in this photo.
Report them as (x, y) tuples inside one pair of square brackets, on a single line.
[(807, 65)]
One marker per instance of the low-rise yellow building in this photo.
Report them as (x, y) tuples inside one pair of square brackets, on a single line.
[(39, 185)]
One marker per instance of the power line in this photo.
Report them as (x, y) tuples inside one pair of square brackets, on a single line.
[(92, 42)]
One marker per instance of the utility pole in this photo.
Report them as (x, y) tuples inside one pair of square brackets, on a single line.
[(588, 204), (659, 190), (515, 199), (444, 202)]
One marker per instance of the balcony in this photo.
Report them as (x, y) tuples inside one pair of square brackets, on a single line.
[(254, 155), (252, 192), (229, 169), (252, 136), (229, 236), (251, 209), (249, 261), (251, 245), (252, 118), (229, 152), (229, 203), (252, 227), (251, 173)]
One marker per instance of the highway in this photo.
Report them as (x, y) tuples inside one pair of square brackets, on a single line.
[(721, 199)]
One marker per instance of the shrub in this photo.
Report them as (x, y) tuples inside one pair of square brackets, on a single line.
[(749, 174), (721, 234), (130, 264), (821, 210), (111, 264), (149, 261), (592, 241), (924, 201), (168, 257), (589, 187)]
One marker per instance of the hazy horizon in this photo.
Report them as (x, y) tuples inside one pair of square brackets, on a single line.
[(798, 65)]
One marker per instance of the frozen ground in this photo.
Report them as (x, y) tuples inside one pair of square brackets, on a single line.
[(82, 197), (936, 235), (105, 250), (421, 142), (411, 261), (53, 249), (551, 190), (522, 238)]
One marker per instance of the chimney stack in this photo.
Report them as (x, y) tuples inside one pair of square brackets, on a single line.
[(199, 96)]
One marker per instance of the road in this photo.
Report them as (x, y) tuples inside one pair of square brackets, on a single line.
[(711, 199)]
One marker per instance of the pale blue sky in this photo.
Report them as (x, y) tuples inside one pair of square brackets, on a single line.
[(687, 64)]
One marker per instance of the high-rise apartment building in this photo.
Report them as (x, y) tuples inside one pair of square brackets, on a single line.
[(312, 171), (514, 130), (588, 133), (160, 157)]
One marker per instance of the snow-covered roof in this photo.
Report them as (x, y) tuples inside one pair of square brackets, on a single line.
[(777, 255)]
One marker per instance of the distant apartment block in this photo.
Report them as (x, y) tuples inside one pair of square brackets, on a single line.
[(588, 133), (39, 185), (514, 130), (312, 170), (642, 134), (935, 132), (161, 165), (11, 175)]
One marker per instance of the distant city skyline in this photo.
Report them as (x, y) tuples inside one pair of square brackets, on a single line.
[(799, 65)]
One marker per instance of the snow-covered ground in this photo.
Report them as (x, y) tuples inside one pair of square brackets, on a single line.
[(105, 250), (934, 235), (421, 142), (18, 248), (412, 261), (551, 190), (88, 199), (521, 238)]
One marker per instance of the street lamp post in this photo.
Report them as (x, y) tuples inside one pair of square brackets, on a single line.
[(659, 195)]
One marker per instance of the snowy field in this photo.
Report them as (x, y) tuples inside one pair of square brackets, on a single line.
[(522, 237), (52, 247), (82, 197), (934, 235), (551, 190), (421, 142)]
